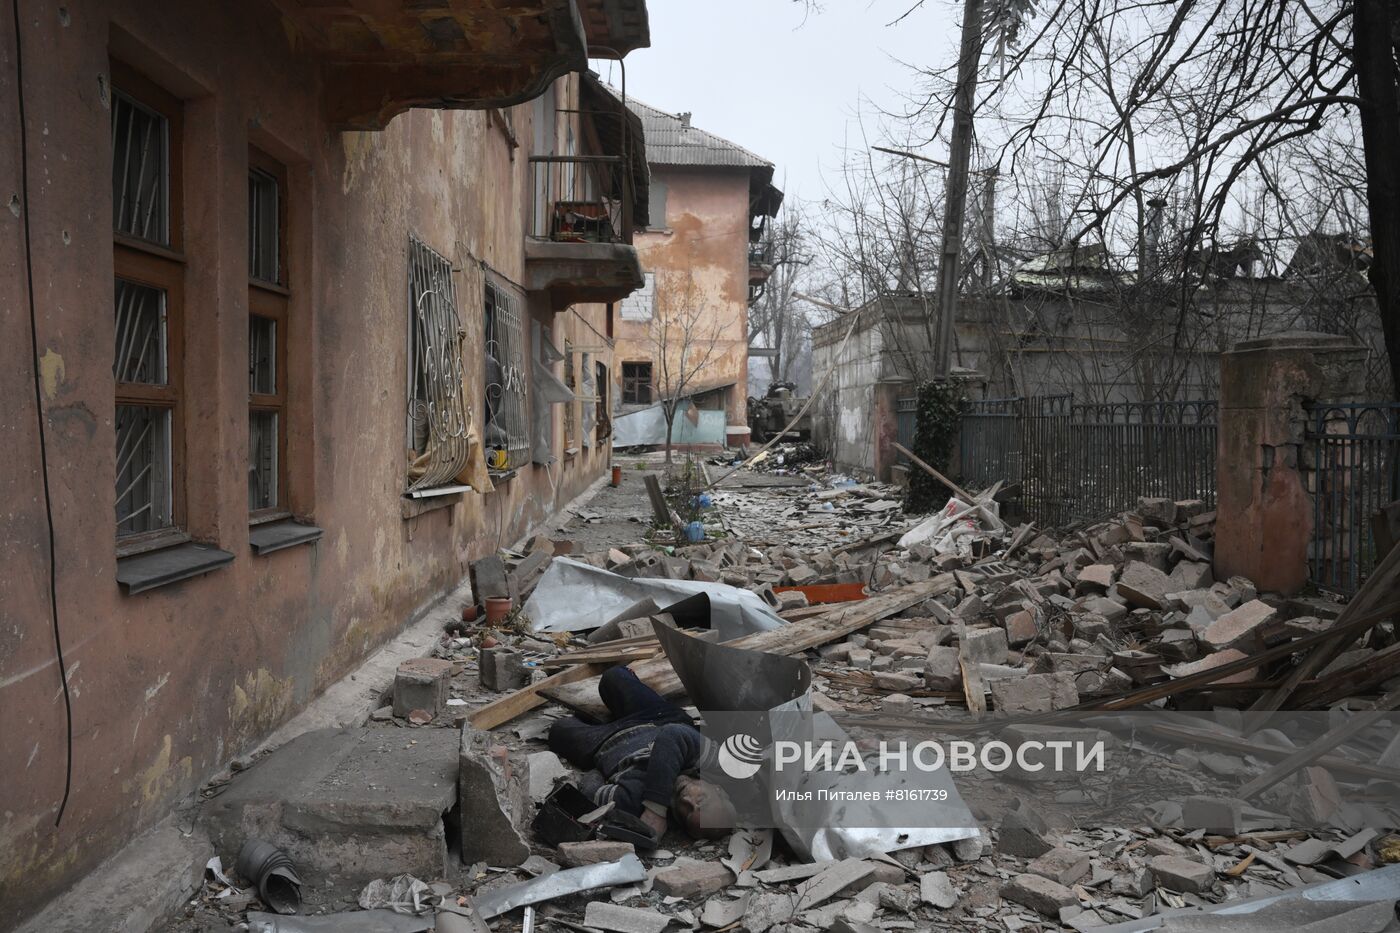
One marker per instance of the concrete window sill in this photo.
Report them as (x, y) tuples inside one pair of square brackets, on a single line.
[(154, 569), (412, 508), (278, 536)]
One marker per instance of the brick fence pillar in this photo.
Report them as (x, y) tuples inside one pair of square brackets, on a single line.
[(1264, 513)]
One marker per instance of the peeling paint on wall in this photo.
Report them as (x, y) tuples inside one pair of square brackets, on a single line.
[(51, 372)]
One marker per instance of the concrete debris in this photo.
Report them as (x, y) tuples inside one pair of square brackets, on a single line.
[(576, 854), (421, 683), (1010, 620), (604, 916)]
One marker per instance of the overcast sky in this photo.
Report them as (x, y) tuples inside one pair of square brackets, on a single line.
[(756, 73)]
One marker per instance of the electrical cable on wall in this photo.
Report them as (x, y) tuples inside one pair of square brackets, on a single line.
[(39, 413)]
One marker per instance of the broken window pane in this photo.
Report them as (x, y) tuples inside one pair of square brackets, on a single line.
[(262, 460), (263, 227), (141, 334), (143, 469), (262, 355), (636, 383), (140, 170)]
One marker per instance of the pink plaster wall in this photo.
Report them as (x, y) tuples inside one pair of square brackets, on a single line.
[(700, 257), (169, 685)]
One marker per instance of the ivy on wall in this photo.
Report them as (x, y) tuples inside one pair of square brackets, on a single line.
[(935, 432)]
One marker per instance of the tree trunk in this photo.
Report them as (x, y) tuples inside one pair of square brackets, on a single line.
[(1372, 28), (670, 415)]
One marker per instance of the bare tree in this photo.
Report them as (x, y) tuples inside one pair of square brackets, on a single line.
[(776, 317), (685, 342)]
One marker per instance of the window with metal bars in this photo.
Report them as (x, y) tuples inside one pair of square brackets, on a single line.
[(267, 337), (438, 427), (636, 383), (148, 288), (507, 432), (570, 380)]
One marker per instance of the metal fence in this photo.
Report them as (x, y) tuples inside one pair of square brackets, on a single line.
[(1353, 465), (1082, 462)]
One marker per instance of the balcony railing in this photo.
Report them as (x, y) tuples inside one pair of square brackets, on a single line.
[(580, 199)]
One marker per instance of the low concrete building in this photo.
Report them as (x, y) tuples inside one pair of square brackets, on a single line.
[(1066, 325), (297, 277)]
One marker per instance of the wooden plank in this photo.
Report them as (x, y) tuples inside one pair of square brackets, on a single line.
[(508, 707), (821, 593), (961, 493), (1245, 746), (792, 638), (1349, 681), (1382, 584), (1319, 747), (660, 511)]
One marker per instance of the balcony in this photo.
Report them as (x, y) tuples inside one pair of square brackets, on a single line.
[(578, 244), (382, 57), (760, 262)]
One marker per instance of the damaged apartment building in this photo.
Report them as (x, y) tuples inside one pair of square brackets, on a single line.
[(303, 282), (684, 334)]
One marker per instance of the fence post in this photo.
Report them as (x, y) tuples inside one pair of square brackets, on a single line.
[(1264, 512)]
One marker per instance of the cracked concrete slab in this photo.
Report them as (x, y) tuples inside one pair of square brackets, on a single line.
[(356, 804)]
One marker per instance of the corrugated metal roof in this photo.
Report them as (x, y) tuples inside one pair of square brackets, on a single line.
[(670, 141)]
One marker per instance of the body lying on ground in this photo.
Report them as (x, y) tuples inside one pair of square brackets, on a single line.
[(643, 760)]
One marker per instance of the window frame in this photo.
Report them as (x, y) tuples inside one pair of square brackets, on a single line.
[(500, 302), (160, 266), (270, 301), (571, 419), (648, 384)]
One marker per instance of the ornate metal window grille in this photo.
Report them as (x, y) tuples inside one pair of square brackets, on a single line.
[(438, 426), (507, 428)]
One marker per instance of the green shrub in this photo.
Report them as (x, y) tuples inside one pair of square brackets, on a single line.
[(935, 433)]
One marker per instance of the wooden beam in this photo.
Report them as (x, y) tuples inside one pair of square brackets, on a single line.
[(1321, 746), (961, 493), (508, 707), (1379, 587)]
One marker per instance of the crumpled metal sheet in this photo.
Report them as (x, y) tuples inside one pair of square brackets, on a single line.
[(573, 596), (353, 921), (501, 900), (721, 678), (825, 832), (1379, 886)]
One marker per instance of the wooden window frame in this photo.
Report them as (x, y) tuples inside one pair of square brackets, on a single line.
[(650, 390), (159, 266), (571, 416), (270, 300)]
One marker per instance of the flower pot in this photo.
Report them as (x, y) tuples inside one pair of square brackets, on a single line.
[(497, 608)]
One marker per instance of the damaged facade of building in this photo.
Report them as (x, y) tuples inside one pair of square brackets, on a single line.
[(304, 321), (685, 332)]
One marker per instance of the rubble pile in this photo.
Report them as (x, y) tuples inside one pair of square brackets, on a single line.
[(990, 619)]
